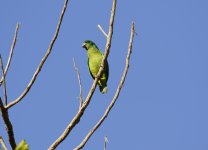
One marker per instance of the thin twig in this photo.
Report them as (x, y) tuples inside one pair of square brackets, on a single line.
[(4, 80), (9, 128), (82, 144), (11, 52), (105, 142), (101, 29), (80, 85), (81, 111), (3, 144), (48, 52)]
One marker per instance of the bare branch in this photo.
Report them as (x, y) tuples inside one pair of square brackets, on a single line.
[(3, 144), (80, 113), (101, 29), (80, 85), (105, 142), (82, 144), (9, 128), (4, 80), (48, 52), (11, 53)]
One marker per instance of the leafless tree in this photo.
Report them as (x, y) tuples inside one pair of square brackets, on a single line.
[(5, 105)]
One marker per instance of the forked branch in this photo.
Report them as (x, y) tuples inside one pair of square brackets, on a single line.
[(48, 52), (11, 53), (81, 111), (4, 112), (82, 144)]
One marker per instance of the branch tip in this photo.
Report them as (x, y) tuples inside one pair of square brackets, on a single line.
[(11, 52), (105, 142), (80, 85), (48, 52), (101, 29)]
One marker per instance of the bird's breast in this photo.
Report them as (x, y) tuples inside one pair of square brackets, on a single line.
[(94, 65)]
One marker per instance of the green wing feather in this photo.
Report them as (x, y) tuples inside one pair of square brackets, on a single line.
[(89, 69)]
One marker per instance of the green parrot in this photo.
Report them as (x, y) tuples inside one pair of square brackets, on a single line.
[(95, 57)]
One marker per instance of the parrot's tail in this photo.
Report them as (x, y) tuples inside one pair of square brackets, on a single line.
[(103, 89)]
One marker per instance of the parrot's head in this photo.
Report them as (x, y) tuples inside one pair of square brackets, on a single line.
[(87, 44)]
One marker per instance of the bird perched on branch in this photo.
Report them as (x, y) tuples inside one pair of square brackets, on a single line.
[(95, 57)]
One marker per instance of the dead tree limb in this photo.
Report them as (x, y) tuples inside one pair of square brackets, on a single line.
[(81, 111), (4, 80), (82, 144), (80, 85), (101, 29), (11, 53), (48, 52), (8, 125)]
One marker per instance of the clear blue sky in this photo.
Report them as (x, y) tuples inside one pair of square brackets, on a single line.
[(163, 104)]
